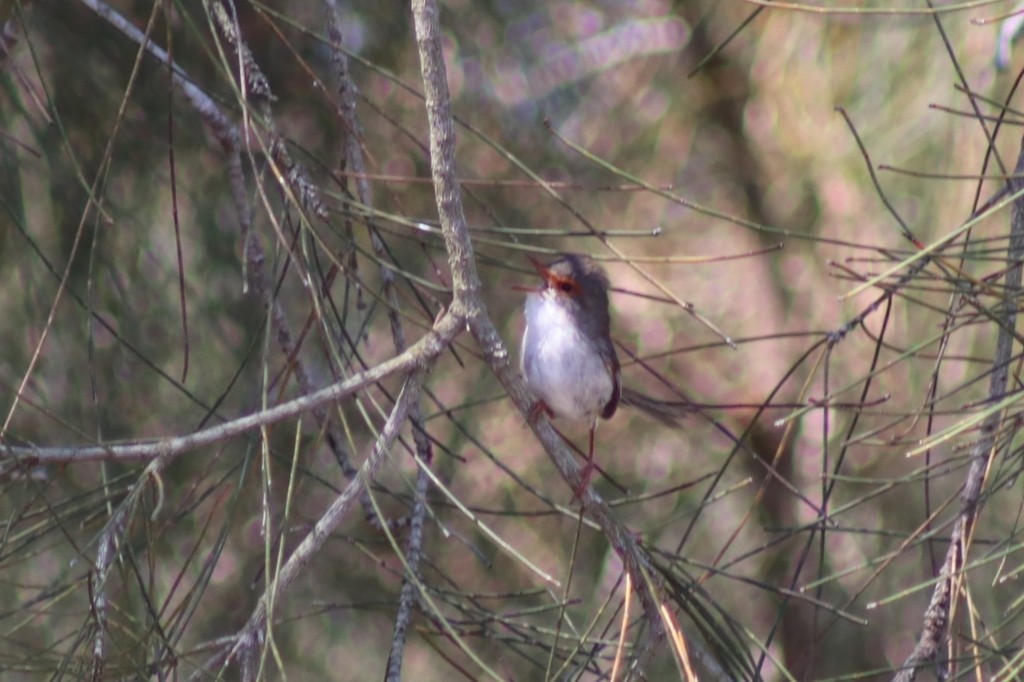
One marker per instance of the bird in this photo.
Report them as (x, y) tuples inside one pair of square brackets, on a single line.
[(567, 354)]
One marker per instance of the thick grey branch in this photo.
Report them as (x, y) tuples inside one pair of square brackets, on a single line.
[(420, 354), (468, 300)]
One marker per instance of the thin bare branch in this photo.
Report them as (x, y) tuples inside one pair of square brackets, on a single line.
[(937, 615)]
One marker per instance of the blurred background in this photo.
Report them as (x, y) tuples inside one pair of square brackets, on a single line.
[(140, 302)]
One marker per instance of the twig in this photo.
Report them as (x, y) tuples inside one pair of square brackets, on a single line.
[(106, 554), (936, 616)]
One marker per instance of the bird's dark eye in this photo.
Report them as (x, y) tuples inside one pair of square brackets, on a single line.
[(567, 287)]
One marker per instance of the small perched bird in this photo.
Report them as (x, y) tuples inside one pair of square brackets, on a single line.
[(567, 354)]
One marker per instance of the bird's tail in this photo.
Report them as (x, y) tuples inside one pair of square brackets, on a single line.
[(668, 412)]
